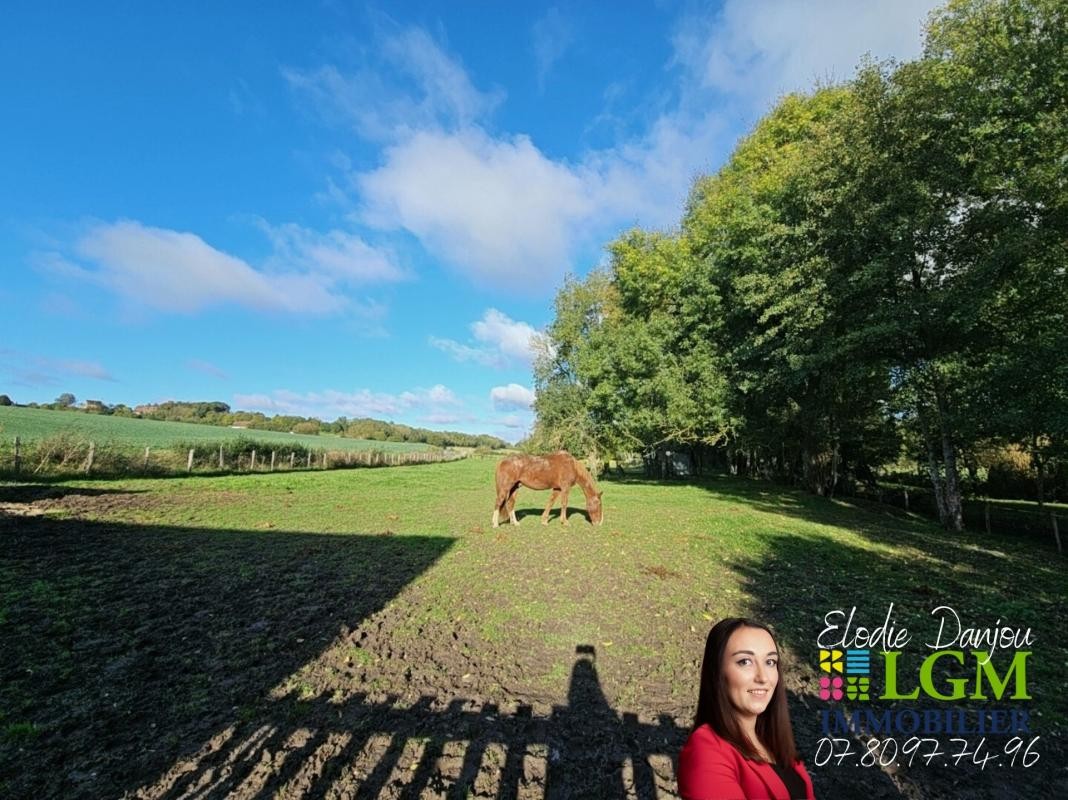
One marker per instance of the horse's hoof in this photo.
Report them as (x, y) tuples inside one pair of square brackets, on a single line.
[(545, 522)]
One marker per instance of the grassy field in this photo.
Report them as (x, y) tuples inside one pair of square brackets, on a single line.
[(33, 424), (369, 631)]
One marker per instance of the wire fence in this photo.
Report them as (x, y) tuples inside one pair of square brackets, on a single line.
[(68, 456)]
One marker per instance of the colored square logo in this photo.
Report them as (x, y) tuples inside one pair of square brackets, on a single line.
[(830, 687), (831, 660), (858, 662), (857, 687)]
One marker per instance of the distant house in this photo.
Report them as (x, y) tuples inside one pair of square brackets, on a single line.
[(242, 425)]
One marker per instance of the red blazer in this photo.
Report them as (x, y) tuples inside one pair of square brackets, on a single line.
[(711, 768)]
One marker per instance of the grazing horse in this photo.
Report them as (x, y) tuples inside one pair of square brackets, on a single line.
[(558, 471)]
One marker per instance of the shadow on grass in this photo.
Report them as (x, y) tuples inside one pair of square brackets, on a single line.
[(156, 662), (33, 492), (124, 645)]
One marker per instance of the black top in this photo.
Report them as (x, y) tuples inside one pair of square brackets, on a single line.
[(794, 785)]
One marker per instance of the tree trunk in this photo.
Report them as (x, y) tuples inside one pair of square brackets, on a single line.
[(936, 479), (954, 508), (1040, 476)]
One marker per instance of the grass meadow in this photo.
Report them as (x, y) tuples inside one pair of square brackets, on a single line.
[(344, 606)]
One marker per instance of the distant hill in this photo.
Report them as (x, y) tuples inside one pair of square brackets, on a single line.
[(219, 414), (36, 424)]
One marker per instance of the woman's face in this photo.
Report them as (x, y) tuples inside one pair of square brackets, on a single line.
[(750, 670)]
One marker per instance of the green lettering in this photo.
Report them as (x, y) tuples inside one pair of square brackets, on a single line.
[(985, 666), (891, 679), (927, 682)]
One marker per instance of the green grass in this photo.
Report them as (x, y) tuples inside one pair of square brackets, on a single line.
[(644, 587), (500, 612), (34, 424)]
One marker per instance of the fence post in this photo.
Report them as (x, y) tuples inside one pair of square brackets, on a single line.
[(309, 460), (1056, 532), (272, 461), (326, 458), (144, 467), (252, 463), (906, 499), (221, 465), (189, 463), (18, 455), (986, 514), (292, 458), (89, 461)]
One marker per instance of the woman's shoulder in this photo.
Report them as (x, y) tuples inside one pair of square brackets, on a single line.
[(704, 738)]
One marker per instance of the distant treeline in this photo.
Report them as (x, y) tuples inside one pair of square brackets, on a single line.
[(219, 413)]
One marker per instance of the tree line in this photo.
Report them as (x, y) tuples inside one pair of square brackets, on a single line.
[(219, 413), (876, 276)]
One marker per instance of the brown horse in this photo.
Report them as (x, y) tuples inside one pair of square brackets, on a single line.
[(558, 471)]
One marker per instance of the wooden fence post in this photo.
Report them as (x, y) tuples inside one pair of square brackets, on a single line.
[(309, 459), (1056, 532), (189, 463), (292, 458), (252, 463), (89, 461), (18, 455), (272, 461), (906, 498), (326, 458), (144, 467), (986, 514), (221, 464)]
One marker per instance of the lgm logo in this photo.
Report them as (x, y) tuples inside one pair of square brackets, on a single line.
[(846, 652)]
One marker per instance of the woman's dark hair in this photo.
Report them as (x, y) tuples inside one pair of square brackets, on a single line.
[(714, 706)]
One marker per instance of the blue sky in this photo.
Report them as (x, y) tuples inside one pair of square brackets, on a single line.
[(361, 210)]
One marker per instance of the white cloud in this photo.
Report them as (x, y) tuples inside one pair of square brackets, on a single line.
[(503, 341), (513, 339), (760, 49), (340, 255), (412, 84), (497, 209), (511, 396), (330, 404), (463, 352), (507, 215), (175, 271), (552, 35)]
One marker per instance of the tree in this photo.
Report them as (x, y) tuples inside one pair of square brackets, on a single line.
[(5, 400), (65, 400)]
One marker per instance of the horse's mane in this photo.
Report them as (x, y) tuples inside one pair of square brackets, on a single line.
[(584, 478)]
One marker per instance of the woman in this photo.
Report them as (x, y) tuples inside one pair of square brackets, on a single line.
[(742, 745)]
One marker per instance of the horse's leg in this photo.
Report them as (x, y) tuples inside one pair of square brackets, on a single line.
[(564, 491), (502, 499), (511, 505), (549, 507)]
